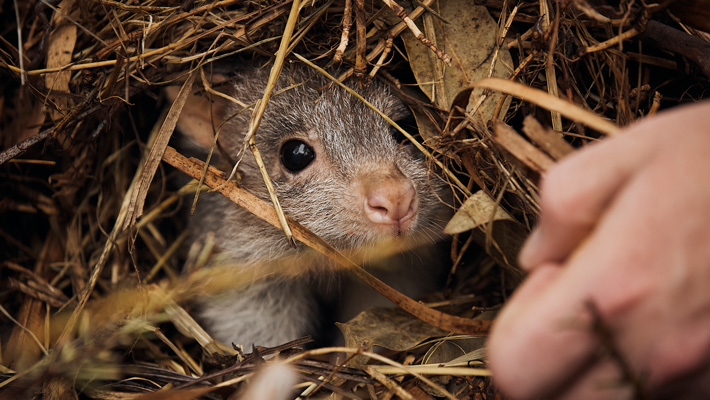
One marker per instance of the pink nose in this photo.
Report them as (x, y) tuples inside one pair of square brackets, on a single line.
[(393, 203)]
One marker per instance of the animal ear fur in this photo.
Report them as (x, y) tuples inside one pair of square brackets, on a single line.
[(202, 114)]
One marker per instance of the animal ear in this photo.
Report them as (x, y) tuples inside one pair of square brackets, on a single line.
[(201, 115)]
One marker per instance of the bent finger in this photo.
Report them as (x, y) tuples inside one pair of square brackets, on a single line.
[(575, 193), (573, 196), (535, 335)]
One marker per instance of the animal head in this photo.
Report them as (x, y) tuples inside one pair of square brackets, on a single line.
[(338, 167)]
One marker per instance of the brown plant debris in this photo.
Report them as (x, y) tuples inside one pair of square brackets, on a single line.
[(89, 309)]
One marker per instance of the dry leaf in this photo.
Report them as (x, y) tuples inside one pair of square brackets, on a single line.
[(521, 149), (22, 351), (470, 39), (140, 191), (478, 354), (427, 129), (478, 210), (548, 139), (390, 328), (449, 349), (507, 234)]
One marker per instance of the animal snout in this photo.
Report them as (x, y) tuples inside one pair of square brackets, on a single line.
[(392, 202)]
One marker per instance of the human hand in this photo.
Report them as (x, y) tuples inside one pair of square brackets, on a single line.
[(625, 230)]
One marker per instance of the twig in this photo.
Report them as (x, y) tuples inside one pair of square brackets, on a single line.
[(19, 45), (266, 212), (96, 272), (602, 331), (690, 47), (374, 356), (347, 24), (611, 42), (383, 56), (550, 102), (432, 12), (388, 383), (438, 88), (550, 59), (152, 161), (259, 113), (143, 32), (521, 149), (161, 51), (21, 147), (393, 32), (361, 39), (401, 13), (24, 328), (70, 19)]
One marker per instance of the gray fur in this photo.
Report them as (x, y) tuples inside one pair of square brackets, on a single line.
[(355, 142)]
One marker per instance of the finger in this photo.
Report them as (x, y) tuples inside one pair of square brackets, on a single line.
[(543, 341), (531, 339), (604, 380), (576, 191), (573, 196)]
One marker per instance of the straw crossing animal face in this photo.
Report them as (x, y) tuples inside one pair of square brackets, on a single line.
[(337, 165), (339, 169)]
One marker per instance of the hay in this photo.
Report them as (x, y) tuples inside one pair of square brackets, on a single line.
[(94, 310)]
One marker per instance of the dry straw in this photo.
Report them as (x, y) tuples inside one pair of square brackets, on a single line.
[(94, 294)]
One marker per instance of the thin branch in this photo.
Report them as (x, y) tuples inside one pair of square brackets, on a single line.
[(401, 13), (347, 24)]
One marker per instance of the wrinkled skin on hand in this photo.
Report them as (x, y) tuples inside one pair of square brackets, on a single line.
[(625, 226)]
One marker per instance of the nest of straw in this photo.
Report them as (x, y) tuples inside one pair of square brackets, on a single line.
[(90, 226)]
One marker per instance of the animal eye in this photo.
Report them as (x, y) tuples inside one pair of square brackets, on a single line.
[(296, 155)]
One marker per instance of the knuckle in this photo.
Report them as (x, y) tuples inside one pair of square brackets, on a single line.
[(559, 194)]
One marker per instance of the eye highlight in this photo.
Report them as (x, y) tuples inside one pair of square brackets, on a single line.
[(296, 155)]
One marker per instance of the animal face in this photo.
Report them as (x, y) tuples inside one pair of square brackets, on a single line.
[(337, 166)]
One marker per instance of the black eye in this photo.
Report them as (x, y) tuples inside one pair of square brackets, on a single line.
[(296, 155)]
